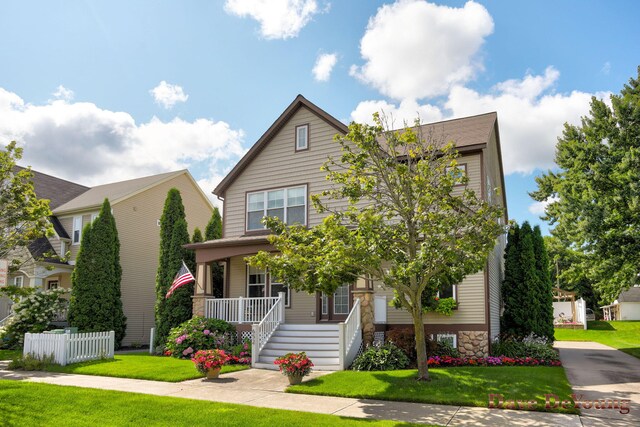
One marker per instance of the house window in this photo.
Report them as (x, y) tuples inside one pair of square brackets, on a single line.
[(288, 204), (276, 286), (256, 282), (458, 173), (52, 284), (77, 230), (94, 216), (449, 292), (325, 304), (451, 339), (18, 281), (63, 248), (302, 137), (341, 300)]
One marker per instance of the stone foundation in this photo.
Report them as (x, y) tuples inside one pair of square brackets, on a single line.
[(473, 343), (198, 305), (366, 315)]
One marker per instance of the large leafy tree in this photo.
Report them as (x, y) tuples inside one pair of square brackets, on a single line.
[(23, 217), (401, 222), (96, 303), (595, 194), (172, 311)]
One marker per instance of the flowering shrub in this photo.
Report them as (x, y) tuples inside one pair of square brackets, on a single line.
[(294, 364), (199, 333), (209, 359), (241, 354), (33, 314), (490, 361)]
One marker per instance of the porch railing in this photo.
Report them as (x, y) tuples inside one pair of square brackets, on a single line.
[(239, 310), (267, 326), (4, 321), (350, 336)]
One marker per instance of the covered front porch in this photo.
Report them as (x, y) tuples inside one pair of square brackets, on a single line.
[(275, 319)]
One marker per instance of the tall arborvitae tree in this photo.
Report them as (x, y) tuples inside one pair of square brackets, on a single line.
[(212, 232), (172, 311), (96, 303), (527, 290), (197, 236), (214, 227), (544, 322)]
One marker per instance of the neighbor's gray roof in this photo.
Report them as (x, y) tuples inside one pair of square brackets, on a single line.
[(465, 131), (630, 295), (58, 191), (115, 192)]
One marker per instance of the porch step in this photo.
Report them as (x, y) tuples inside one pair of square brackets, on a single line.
[(320, 342)]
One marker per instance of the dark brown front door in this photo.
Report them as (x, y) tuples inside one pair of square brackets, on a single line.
[(336, 307)]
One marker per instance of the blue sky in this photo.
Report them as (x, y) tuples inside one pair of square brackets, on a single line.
[(81, 85)]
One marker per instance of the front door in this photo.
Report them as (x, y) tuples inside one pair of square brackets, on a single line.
[(336, 307)]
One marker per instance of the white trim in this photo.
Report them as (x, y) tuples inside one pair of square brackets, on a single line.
[(306, 137), (285, 207)]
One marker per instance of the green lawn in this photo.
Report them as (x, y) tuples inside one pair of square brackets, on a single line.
[(32, 404), (623, 335), (9, 354), (141, 366), (467, 386)]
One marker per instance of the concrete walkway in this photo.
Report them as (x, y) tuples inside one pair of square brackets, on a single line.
[(263, 388), (597, 372)]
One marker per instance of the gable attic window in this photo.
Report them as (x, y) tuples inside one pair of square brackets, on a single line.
[(18, 281), (77, 230), (302, 137), (288, 204)]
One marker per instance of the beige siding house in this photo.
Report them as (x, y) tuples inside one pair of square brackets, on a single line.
[(277, 177), (137, 206)]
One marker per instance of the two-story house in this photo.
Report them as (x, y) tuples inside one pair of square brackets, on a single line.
[(276, 178), (137, 206)]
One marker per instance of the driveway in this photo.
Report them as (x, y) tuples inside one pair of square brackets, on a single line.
[(598, 372)]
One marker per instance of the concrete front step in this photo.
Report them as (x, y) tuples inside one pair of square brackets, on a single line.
[(318, 361), (272, 367), (297, 339)]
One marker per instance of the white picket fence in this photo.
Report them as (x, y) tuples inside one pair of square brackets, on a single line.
[(70, 348)]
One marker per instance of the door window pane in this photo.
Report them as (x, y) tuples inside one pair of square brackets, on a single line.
[(325, 304), (341, 300)]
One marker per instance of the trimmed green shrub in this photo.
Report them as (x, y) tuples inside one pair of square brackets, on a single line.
[(404, 339), (530, 346), (200, 333), (386, 357)]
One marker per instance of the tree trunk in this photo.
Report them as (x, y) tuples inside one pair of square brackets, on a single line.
[(421, 347)]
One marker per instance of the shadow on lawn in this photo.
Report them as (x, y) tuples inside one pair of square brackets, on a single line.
[(598, 325)]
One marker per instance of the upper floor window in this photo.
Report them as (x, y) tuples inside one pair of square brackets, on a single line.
[(458, 173), (77, 230), (18, 281), (302, 137), (288, 204), (450, 291)]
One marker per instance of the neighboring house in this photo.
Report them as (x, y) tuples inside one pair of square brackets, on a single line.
[(137, 206), (276, 177), (626, 307)]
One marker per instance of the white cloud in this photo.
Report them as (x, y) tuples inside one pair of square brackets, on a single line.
[(538, 208), (407, 111), (414, 49), (63, 93), (324, 65), (89, 145), (279, 19), (606, 68), (531, 115), (168, 95)]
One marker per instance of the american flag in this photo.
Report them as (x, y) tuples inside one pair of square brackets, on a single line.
[(183, 277)]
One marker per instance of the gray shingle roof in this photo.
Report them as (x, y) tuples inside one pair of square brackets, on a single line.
[(116, 191), (630, 295), (58, 191)]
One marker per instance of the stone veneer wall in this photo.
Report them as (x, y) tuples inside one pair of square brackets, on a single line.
[(473, 343)]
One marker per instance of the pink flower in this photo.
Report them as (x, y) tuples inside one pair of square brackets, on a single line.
[(188, 350), (206, 332)]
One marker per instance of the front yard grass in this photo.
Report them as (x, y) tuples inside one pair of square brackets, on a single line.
[(142, 366), (23, 403), (466, 386), (9, 354), (622, 335)]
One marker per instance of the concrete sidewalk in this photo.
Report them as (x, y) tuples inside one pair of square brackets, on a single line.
[(599, 372), (263, 388)]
